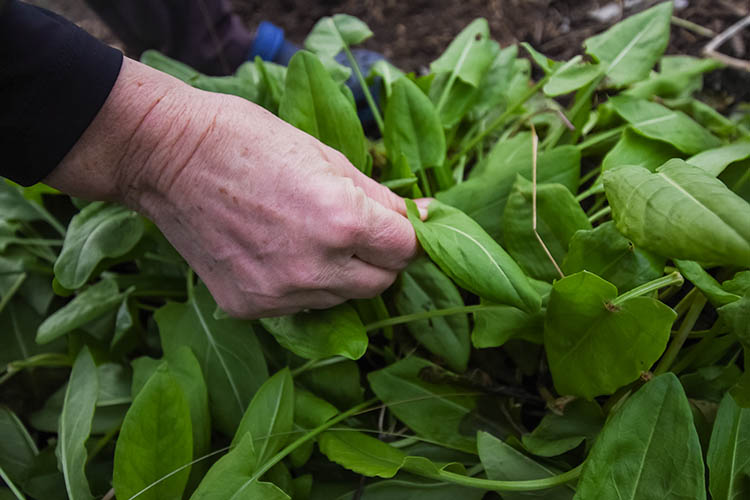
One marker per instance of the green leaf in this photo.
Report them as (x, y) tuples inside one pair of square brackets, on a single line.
[(693, 272), (556, 434), (494, 326), (656, 446), (679, 75), (20, 321), (559, 216), (469, 55), (629, 49), (269, 417), (715, 161), (634, 149), (545, 63), (729, 452), (435, 411), (484, 195), (503, 462), (75, 425), (608, 254), (338, 383), (424, 288), (17, 449), (330, 35), (361, 453), (92, 303), (388, 73), (736, 316), (661, 123), (413, 128), (320, 333), (313, 103), (471, 257), (496, 85), (101, 230), (14, 206), (681, 212), (311, 411), (227, 350), (230, 478), (571, 76), (155, 442), (595, 347)]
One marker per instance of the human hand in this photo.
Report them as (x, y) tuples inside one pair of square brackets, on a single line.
[(271, 219)]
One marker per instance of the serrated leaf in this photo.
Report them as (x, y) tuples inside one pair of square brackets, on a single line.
[(656, 445), (463, 251), (680, 211)]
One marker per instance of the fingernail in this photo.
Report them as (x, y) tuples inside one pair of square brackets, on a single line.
[(422, 204)]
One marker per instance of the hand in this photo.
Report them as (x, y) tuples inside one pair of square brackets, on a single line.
[(271, 219)]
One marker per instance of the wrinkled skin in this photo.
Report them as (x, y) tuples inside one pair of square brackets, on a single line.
[(272, 220)]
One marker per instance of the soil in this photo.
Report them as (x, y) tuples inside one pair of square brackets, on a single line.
[(413, 33)]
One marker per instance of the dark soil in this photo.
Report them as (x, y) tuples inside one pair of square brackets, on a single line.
[(413, 33)]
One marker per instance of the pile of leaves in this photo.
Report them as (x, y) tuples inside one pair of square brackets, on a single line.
[(577, 327)]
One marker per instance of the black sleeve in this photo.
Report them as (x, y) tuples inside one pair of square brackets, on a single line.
[(54, 78)]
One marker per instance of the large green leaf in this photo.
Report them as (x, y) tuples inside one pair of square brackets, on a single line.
[(661, 123), (679, 75), (101, 230), (440, 412), (413, 128), (330, 35), (635, 149), (558, 217), (75, 425), (484, 195), (361, 453), (707, 284), (269, 417), (337, 383), (320, 333), (469, 55), (227, 349), (313, 103), (715, 161), (571, 76), (729, 452), (504, 463), (231, 478), (594, 347), (557, 433), (17, 449), (471, 257), (680, 211), (629, 49), (155, 442), (424, 288), (608, 254), (649, 449), (92, 303)]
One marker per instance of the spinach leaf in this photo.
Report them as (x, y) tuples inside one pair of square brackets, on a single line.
[(580, 421), (729, 452), (330, 35)]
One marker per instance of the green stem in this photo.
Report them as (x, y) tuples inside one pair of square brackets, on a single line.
[(303, 439), (684, 304), (581, 102), (12, 291), (10, 485), (601, 137), (102, 442), (433, 313), (365, 89), (190, 283), (426, 189), (674, 278), (500, 120), (50, 360), (687, 325), (599, 214), (489, 484), (696, 350), (595, 189), (317, 363), (34, 242)]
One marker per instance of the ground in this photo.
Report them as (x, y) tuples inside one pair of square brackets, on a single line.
[(411, 34)]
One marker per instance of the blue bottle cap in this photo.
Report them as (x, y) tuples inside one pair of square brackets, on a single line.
[(268, 40)]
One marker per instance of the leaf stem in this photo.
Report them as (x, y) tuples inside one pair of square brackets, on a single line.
[(365, 88), (682, 334), (500, 120), (674, 278), (12, 291), (433, 313), (50, 360), (190, 283), (33, 242), (489, 484), (600, 213), (601, 137), (10, 485), (595, 189), (317, 363)]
